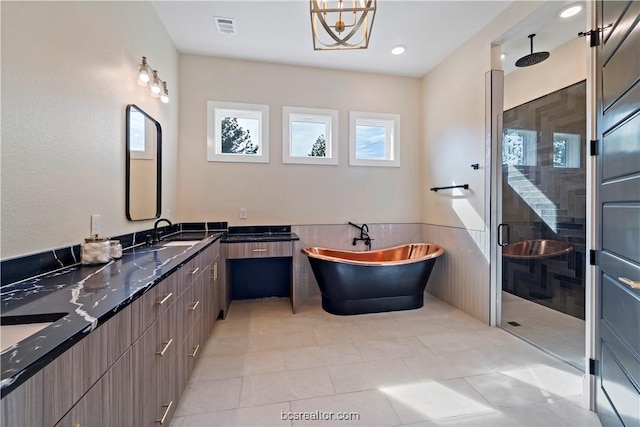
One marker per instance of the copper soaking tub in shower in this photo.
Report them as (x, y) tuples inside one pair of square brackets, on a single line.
[(536, 248)]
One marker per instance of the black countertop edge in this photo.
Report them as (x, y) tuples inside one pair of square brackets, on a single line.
[(89, 306)]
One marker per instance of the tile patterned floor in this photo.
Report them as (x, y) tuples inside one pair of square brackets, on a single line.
[(428, 367)]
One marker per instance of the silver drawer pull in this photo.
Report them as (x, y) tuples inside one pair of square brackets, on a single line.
[(260, 250), (163, 300), (166, 346), (166, 412), (194, 271), (194, 306), (195, 351), (633, 284)]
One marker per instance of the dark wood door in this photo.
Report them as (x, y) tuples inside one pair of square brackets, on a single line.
[(617, 295)]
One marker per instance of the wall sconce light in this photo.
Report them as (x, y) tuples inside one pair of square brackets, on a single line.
[(143, 77), (165, 93), (336, 25), (148, 77)]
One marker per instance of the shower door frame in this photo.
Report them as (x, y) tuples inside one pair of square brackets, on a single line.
[(494, 99)]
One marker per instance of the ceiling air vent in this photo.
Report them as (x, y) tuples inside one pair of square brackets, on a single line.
[(225, 25)]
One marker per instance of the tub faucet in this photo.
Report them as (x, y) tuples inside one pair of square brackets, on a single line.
[(364, 235), (157, 235)]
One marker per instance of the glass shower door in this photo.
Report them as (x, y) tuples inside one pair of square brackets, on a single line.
[(544, 217)]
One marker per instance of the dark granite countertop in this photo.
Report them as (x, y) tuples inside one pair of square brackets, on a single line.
[(90, 295)]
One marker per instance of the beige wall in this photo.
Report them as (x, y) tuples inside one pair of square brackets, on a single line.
[(68, 73), (453, 117), (286, 193), (566, 65), (454, 137)]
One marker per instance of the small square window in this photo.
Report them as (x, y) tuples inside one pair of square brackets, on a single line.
[(566, 150), (374, 139), (237, 132), (519, 147), (309, 136)]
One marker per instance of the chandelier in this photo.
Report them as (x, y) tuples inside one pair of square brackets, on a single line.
[(340, 25)]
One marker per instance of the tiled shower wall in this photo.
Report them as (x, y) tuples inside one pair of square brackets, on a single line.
[(460, 277)]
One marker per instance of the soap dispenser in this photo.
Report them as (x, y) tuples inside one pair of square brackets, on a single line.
[(95, 250)]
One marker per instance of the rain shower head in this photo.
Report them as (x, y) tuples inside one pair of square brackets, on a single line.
[(532, 58)]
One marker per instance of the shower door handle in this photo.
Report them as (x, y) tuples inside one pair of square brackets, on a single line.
[(501, 241)]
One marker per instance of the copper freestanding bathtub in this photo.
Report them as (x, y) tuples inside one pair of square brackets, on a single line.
[(370, 282)]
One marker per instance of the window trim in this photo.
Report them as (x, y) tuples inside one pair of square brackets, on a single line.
[(313, 115), (243, 110), (389, 121)]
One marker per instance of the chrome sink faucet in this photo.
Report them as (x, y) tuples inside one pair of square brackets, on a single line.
[(157, 235)]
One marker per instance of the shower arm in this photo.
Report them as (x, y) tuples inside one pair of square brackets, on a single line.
[(531, 41)]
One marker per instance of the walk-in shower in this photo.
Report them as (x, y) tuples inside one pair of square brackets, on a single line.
[(544, 217)]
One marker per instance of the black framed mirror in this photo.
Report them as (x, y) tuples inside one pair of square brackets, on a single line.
[(144, 165)]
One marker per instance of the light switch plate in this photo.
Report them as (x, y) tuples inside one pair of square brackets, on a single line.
[(243, 213)]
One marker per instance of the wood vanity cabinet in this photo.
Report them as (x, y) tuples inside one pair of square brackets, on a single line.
[(224, 285), (181, 340), (133, 368), (108, 402), (261, 252), (24, 405), (214, 290)]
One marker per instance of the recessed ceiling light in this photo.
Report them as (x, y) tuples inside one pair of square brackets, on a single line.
[(571, 11), (398, 50)]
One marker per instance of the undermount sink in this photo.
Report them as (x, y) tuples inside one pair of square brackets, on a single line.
[(536, 248), (14, 329), (181, 243)]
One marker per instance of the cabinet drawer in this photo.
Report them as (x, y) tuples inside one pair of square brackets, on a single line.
[(259, 250), (194, 268), (191, 270), (191, 306), (147, 308), (23, 406)]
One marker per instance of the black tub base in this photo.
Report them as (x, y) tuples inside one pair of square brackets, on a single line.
[(389, 279), (372, 305)]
